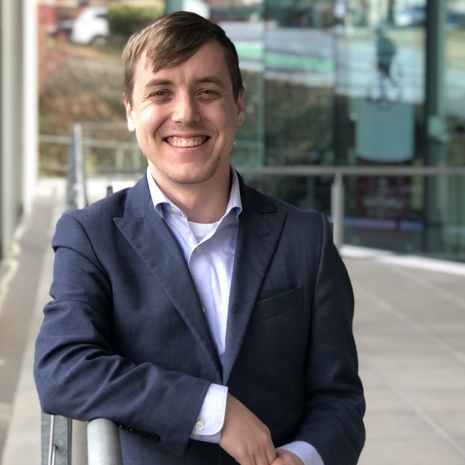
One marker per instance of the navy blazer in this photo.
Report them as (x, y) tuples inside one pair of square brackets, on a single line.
[(125, 338)]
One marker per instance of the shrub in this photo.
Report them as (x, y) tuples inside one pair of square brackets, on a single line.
[(126, 19)]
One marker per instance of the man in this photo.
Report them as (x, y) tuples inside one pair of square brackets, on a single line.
[(212, 323), (385, 53)]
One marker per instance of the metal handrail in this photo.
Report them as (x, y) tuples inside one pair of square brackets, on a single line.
[(339, 172), (355, 170), (103, 443)]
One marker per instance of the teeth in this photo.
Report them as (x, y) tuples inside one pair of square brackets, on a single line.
[(186, 142)]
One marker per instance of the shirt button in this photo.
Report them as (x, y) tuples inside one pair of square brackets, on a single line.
[(198, 250), (200, 425), (204, 311), (174, 210)]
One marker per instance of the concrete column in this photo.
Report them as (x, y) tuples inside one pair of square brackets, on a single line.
[(30, 102), (18, 113), (10, 120)]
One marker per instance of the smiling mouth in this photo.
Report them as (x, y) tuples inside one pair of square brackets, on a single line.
[(187, 141)]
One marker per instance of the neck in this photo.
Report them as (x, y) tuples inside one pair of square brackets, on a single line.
[(202, 203)]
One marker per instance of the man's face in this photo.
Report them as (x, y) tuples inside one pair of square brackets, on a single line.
[(185, 118)]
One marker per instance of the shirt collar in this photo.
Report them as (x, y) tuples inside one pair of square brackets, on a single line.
[(160, 201)]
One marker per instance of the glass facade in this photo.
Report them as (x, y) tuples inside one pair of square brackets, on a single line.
[(364, 83), (330, 84)]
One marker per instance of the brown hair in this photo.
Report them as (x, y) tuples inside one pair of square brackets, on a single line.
[(173, 39)]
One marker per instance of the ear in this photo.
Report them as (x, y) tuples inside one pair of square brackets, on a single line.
[(240, 109), (130, 115)]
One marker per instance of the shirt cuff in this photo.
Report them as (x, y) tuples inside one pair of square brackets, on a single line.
[(210, 419), (305, 451)]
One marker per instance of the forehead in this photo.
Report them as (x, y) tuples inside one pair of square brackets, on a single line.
[(209, 59)]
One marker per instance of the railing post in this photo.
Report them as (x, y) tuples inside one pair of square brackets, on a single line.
[(56, 440), (71, 176), (76, 192), (337, 209), (119, 158), (136, 158), (79, 166)]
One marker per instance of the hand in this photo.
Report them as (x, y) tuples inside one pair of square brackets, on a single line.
[(286, 457), (244, 437)]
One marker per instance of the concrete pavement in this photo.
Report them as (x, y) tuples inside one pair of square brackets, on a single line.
[(409, 327), (410, 331)]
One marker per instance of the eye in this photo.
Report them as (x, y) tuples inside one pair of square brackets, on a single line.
[(209, 93), (159, 94)]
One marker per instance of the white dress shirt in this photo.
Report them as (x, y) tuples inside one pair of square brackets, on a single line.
[(209, 251)]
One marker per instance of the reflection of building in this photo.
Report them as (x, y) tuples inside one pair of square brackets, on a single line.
[(326, 98), (299, 13)]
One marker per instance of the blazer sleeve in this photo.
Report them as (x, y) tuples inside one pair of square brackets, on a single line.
[(78, 374), (333, 419)]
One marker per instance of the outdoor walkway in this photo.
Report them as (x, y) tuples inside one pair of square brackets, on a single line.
[(409, 327)]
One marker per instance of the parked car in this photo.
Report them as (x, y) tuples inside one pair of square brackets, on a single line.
[(62, 29), (416, 16), (411, 16), (91, 26)]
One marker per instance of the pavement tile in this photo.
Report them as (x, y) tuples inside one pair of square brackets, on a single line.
[(457, 341), (397, 343), (370, 378), (396, 425), (460, 440), (408, 451), (382, 399), (450, 421), (426, 378), (438, 400), (411, 361)]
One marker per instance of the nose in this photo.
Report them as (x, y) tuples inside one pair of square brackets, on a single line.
[(185, 109)]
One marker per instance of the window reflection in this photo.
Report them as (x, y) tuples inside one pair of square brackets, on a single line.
[(343, 83)]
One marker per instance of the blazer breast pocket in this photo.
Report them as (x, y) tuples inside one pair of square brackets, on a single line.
[(277, 305)]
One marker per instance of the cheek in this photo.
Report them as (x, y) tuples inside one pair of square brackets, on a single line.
[(147, 124)]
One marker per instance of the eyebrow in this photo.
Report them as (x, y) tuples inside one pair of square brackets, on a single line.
[(157, 82), (211, 80), (203, 80)]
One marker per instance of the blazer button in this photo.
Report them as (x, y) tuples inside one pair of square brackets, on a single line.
[(155, 437)]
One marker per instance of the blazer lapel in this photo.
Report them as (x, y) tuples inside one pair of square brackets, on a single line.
[(152, 240), (260, 227)]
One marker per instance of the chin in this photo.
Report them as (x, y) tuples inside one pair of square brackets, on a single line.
[(192, 178)]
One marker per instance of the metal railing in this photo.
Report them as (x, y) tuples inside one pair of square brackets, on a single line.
[(56, 440), (338, 173), (77, 190), (103, 443)]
